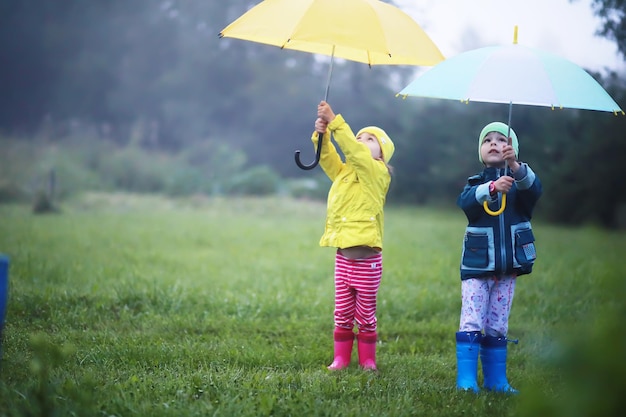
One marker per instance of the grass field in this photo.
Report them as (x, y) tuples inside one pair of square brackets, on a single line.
[(140, 306)]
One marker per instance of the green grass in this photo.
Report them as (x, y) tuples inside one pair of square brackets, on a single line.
[(141, 306)]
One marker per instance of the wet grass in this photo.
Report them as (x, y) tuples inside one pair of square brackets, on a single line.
[(141, 306)]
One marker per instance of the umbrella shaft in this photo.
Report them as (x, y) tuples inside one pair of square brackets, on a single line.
[(330, 74), (508, 134)]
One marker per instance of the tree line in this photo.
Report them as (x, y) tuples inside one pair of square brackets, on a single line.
[(154, 75)]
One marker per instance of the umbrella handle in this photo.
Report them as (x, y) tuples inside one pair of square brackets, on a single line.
[(485, 205), (317, 156), (497, 212), (319, 135)]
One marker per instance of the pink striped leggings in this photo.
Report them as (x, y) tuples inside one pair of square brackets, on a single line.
[(356, 288)]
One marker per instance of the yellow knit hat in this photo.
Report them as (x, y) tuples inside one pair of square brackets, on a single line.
[(386, 145)]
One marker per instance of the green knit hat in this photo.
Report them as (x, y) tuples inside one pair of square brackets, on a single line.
[(500, 128), (386, 145)]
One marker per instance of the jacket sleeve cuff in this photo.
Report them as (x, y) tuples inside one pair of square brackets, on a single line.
[(336, 123), (524, 177), (482, 193)]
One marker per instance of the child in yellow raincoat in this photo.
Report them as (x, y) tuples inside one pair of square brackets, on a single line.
[(354, 225)]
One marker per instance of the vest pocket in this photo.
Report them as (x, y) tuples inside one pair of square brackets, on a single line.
[(525, 246), (476, 250)]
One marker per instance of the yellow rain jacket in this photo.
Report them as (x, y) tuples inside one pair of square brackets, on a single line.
[(354, 215)]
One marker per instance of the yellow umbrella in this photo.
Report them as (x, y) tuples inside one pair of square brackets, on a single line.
[(366, 31)]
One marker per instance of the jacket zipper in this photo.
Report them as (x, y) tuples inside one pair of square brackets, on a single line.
[(502, 237)]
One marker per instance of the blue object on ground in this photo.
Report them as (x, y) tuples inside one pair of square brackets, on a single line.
[(4, 292)]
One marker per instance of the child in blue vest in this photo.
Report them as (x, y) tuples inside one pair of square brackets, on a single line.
[(497, 248)]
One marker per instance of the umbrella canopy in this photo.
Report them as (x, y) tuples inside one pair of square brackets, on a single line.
[(367, 31), (513, 74)]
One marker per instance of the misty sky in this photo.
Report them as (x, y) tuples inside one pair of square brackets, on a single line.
[(561, 27)]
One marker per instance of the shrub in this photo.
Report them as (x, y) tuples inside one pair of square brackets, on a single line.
[(43, 204), (10, 192), (258, 181), (315, 188)]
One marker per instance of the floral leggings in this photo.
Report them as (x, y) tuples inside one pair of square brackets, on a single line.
[(356, 288), (486, 305)]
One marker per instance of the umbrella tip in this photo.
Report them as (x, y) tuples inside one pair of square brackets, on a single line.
[(515, 35)]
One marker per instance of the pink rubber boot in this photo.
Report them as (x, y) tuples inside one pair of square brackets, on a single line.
[(344, 339), (367, 350)]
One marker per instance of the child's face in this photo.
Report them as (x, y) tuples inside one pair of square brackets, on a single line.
[(491, 149), (372, 143)]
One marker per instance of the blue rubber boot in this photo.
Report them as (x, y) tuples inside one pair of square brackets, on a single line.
[(467, 348), (493, 358)]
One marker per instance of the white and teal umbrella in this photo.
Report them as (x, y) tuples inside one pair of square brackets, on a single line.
[(512, 74)]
